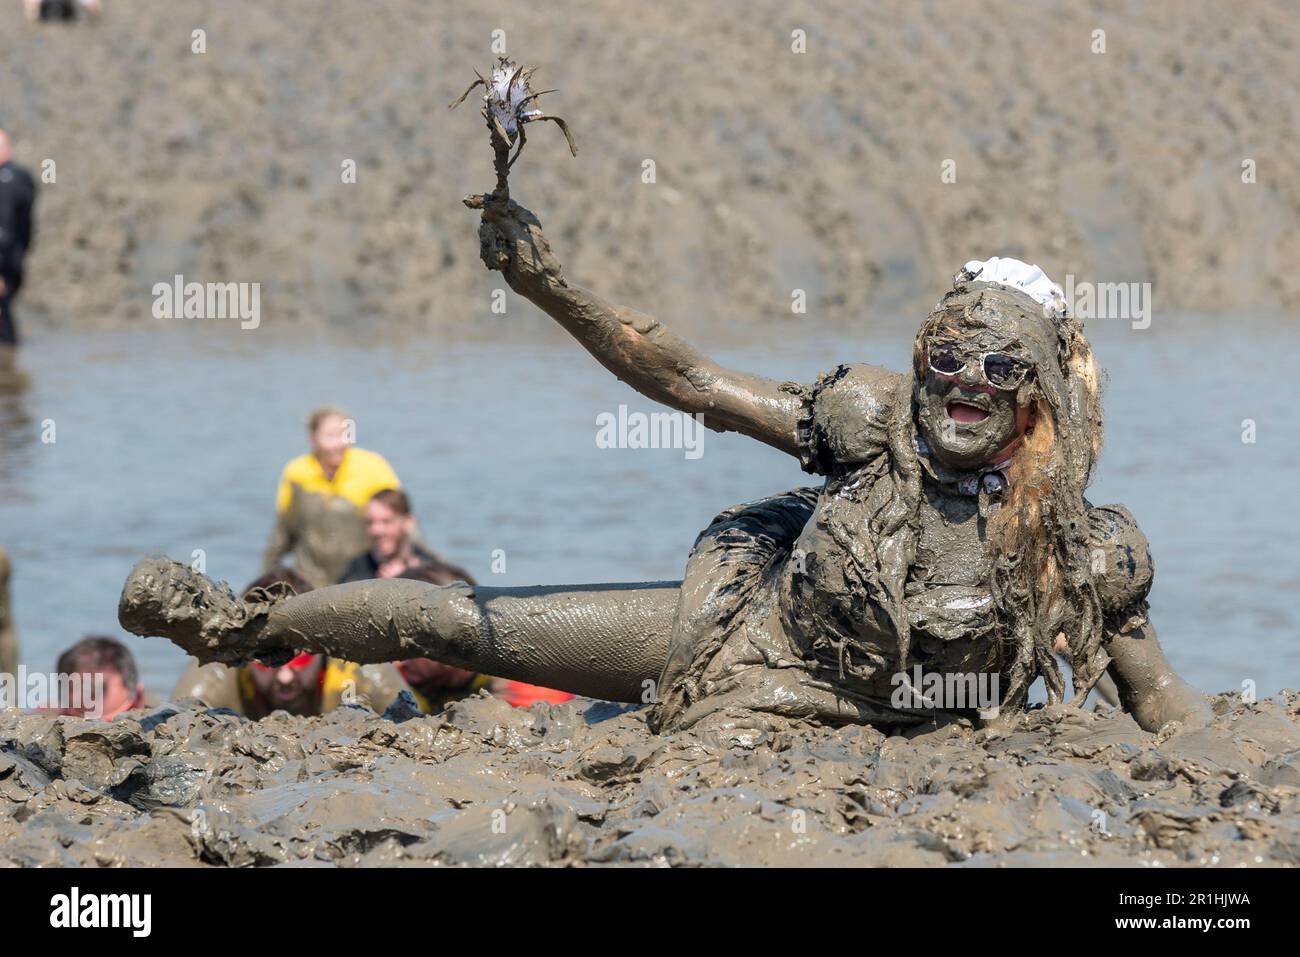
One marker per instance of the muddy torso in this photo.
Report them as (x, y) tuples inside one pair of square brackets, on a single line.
[(794, 604), (950, 550), (827, 610)]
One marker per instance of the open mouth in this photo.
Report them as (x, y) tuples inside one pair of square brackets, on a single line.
[(965, 413)]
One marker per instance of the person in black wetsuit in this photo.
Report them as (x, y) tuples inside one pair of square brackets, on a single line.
[(17, 197), (64, 10)]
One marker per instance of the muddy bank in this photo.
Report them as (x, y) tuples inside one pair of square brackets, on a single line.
[(774, 170), (587, 784)]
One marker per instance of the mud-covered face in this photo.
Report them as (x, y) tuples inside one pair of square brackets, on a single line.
[(965, 419)]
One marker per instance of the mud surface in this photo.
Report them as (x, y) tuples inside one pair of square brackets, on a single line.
[(774, 170), (587, 784)]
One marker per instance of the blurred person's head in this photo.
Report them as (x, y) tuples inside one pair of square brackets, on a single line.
[(331, 434), (295, 685), (389, 523), (114, 681), (280, 574)]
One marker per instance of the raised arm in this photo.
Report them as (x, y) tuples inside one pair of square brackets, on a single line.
[(634, 346)]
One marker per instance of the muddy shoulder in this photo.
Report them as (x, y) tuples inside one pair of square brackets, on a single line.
[(586, 784)]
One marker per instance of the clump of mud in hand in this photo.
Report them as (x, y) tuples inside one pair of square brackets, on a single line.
[(586, 783)]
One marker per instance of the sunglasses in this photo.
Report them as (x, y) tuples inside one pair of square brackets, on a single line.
[(297, 663), (1000, 371)]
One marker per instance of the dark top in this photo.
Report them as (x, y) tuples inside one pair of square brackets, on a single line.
[(17, 197), (365, 567)]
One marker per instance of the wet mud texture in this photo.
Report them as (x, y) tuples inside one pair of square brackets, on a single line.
[(774, 170), (587, 784)]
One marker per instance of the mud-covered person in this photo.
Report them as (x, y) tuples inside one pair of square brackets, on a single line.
[(319, 503), (106, 678), (17, 233), (307, 684), (950, 534)]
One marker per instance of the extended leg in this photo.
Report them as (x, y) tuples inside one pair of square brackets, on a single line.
[(602, 641)]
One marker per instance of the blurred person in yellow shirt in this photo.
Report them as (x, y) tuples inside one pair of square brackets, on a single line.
[(320, 501)]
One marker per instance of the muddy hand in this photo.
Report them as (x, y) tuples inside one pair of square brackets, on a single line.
[(511, 241), (171, 600)]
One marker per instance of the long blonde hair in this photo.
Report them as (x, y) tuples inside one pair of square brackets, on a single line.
[(1038, 540)]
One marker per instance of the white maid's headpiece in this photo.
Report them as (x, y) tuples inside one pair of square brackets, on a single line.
[(1018, 275)]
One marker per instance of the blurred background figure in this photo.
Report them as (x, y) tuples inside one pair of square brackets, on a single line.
[(113, 662), (17, 197), (319, 521), (8, 634), (60, 9), (305, 685), (394, 548)]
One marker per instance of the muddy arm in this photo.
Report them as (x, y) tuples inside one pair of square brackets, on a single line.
[(634, 346), (1149, 688), (602, 641)]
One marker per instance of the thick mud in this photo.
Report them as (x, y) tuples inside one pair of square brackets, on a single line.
[(587, 784), (774, 169)]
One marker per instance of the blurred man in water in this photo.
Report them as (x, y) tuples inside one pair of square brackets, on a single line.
[(435, 684), (394, 549), (17, 197), (319, 503), (98, 657)]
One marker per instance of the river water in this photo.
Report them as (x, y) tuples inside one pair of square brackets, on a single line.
[(170, 439)]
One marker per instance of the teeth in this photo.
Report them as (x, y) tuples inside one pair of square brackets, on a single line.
[(963, 416)]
